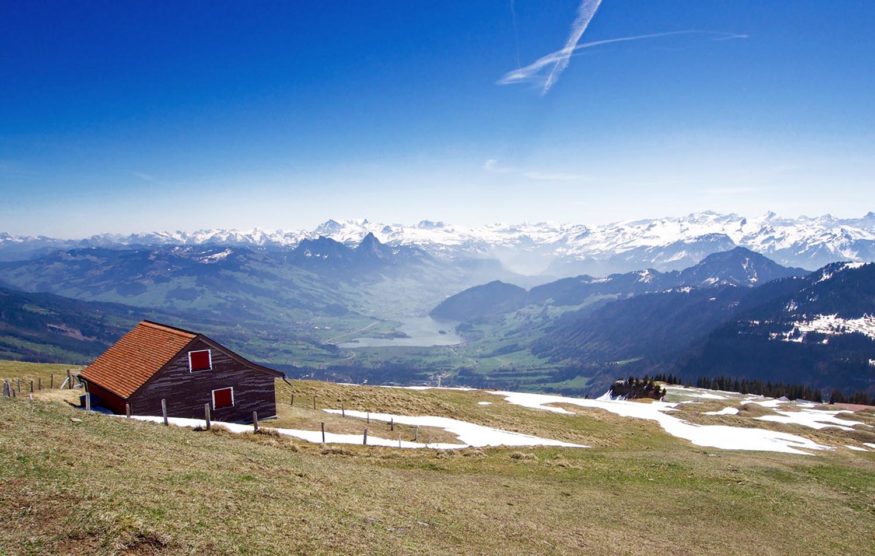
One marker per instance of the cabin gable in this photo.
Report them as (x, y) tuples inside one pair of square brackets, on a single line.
[(204, 372)]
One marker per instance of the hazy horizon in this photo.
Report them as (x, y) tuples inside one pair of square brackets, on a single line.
[(444, 223)]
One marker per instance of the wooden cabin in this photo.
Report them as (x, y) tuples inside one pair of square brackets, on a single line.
[(155, 361)]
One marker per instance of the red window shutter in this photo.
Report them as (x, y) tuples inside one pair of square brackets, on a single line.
[(223, 398), (199, 360)]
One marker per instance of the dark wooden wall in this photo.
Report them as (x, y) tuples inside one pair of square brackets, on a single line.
[(187, 392), (103, 397)]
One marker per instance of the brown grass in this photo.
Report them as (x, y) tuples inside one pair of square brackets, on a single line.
[(103, 485)]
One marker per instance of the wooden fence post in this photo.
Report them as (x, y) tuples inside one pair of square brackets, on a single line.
[(293, 400), (392, 424), (5, 388), (416, 433), (18, 382), (365, 439), (255, 421), (207, 414), (87, 401), (39, 383), (128, 410), (323, 433), (164, 411), (314, 402), (52, 381), (342, 410), (31, 387), (69, 380)]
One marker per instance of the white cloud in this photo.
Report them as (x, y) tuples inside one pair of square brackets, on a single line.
[(492, 166)]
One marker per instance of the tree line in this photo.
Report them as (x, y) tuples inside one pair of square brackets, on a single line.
[(781, 389), (648, 387), (634, 388)]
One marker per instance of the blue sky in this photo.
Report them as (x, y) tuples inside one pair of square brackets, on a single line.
[(136, 116)]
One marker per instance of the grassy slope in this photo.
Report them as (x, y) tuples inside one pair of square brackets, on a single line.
[(107, 485), (33, 371)]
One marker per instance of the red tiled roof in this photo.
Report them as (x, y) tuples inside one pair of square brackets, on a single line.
[(136, 357)]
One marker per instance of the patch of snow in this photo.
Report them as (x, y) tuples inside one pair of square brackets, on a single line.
[(847, 266), (691, 392), (707, 396), (484, 403), (456, 388), (215, 257), (305, 435), (470, 434), (812, 418), (869, 444), (856, 448), (828, 325), (724, 411), (713, 436), (765, 402)]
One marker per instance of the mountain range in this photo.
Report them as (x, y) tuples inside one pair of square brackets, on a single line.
[(734, 314), (335, 306), (556, 250), (736, 267), (289, 306), (818, 330)]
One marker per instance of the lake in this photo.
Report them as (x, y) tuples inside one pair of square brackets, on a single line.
[(421, 332)]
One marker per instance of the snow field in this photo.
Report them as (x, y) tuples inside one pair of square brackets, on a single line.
[(469, 434), (712, 436), (812, 418)]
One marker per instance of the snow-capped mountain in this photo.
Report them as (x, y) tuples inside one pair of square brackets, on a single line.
[(670, 243)]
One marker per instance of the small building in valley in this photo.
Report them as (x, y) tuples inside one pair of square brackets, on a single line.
[(155, 361)]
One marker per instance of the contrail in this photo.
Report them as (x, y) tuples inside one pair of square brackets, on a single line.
[(718, 36), (516, 34), (532, 71), (585, 13)]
